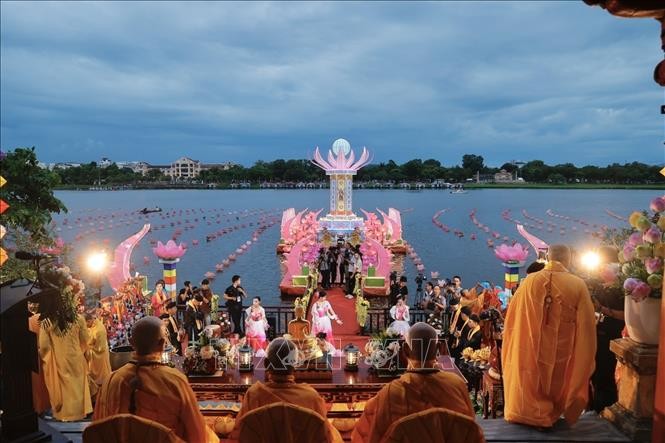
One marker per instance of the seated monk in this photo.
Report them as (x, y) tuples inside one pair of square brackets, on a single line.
[(423, 386), (282, 386), (150, 389)]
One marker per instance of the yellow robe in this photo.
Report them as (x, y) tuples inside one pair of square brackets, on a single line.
[(283, 389), (40, 400), (413, 392), (66, 370), (164, 396), (99, 361), (548, 358)]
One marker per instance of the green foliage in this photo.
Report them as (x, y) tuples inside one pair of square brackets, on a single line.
[(29, 193), (473, 163)]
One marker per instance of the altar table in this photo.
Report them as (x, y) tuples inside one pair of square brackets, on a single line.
[(345, 386)]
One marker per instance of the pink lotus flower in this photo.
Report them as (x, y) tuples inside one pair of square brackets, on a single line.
[(630, 284), (640, 291), (514, 253), (658, 204), (635, 239), (434, 274), (168, 251), (210, 275), (628, 252), (653, 235), (653, 265)]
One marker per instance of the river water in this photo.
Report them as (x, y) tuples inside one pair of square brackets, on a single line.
[(443, 252)]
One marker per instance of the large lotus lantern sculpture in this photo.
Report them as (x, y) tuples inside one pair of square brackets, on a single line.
[(169, 251), (511, 254)]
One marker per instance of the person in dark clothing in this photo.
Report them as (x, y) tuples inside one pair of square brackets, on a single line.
[(324, 269), (472, 336), (394, 289), (403, 290), (194, 319), (332, 265), (233, 296), (172, 327), (206, 307), (609, 304)]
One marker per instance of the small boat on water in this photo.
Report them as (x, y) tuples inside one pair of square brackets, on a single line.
[(458, 191), (150, 210)]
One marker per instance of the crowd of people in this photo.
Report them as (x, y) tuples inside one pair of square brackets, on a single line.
[(554, 354)]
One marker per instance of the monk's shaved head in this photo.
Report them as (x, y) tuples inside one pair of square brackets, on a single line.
[(281, 356), (560, 253), (421, 342), (148, 336)]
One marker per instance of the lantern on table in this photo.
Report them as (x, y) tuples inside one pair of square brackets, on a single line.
[(166, 355), (351, 353), (245, 359)]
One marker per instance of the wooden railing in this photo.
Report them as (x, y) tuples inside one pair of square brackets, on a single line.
[(377, 319)]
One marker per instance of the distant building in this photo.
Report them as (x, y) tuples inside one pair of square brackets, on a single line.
[(503, 176), (65, 165), (105, 163)]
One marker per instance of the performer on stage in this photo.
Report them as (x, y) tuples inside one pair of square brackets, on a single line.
[(256, 325), (400, 315), (159, 299), (322, 313)]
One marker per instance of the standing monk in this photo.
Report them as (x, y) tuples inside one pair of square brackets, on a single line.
[(150, 389), (99, 360), (63, 340), (40, 401), (549, 345)]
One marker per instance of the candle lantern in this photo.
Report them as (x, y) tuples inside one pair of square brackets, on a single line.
[(351, 352), (166, 355), (245, 359)]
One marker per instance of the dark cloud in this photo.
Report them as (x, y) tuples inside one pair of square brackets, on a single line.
[(243, 81)]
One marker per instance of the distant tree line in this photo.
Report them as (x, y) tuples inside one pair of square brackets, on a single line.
[(535, 171)]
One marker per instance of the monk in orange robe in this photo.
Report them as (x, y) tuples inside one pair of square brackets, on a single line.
[(150, 389), (549, 345), (423, 386), (282, 387), (62, 347), (99, 361), (40, 400)]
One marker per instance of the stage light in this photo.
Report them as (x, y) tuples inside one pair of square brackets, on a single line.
[(97, 262), (590, 260)]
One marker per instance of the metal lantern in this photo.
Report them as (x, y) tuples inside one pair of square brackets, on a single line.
[(245, 359), (166, 354), (351, 352)]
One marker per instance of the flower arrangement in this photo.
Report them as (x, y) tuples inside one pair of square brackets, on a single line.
[(61, 308), (169, 251), (362, 307), (482, 356), (640, 273), (511, 254), (382, 351), (435, 321)]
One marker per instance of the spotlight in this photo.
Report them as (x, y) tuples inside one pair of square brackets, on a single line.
[(96, 262), (590, 260)]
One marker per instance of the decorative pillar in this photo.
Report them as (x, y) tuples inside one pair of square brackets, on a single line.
[(169, 276), (633, 413), (512, 274)]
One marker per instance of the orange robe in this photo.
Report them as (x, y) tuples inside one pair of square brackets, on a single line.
[(283, 388), (40, 400), (66, 370), (413, 392), (99, 361), (548, 357), (164, 396)]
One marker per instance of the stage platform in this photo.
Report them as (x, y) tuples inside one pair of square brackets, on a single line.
[(589, 429)]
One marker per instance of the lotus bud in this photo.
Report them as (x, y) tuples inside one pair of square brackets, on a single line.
[(659, 250), (628, 252), (643, 223), (657, 204), (640, 291), (630, 284), (609, 273), (635, 239), (632, 219), (655, 281), (653, 265), (653, 235), (643, 251)]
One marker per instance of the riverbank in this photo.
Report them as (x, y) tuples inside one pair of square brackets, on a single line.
[(396, 187)]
